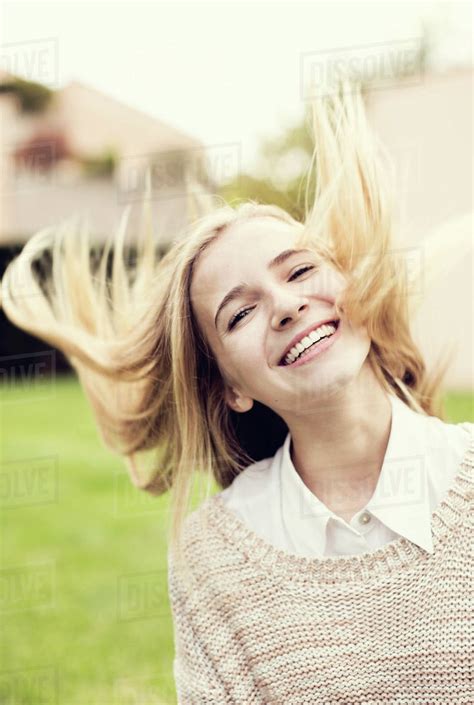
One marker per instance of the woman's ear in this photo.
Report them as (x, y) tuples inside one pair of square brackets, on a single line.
[(237, 401)]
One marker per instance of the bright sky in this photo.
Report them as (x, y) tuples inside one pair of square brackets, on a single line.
[(222, 72)]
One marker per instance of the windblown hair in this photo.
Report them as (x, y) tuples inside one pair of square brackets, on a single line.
[(130, 334)]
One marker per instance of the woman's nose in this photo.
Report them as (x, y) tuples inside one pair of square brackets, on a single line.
[(288, 310)]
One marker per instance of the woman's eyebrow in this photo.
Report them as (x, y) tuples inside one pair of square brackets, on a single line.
[(241, 288)]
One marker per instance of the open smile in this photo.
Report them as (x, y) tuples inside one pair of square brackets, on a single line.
[(313, 349)]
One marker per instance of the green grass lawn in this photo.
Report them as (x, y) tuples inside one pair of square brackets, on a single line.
[(84, 605)]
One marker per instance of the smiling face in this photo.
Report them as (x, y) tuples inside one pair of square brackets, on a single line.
[(249, 333)]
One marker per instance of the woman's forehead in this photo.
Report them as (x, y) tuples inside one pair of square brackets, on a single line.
[(242, 246)]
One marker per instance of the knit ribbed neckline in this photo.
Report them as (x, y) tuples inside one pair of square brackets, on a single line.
[(393, 557)]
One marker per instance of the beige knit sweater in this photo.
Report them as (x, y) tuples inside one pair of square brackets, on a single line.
[(259, 625)]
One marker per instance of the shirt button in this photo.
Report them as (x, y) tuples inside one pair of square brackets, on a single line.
[(364, 518)]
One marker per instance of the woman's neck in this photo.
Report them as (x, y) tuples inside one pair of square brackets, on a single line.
[(339, 453)]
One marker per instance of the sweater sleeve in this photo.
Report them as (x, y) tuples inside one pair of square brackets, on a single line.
[(196, 680)]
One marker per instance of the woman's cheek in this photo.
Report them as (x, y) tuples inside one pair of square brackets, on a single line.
[(247, 349)]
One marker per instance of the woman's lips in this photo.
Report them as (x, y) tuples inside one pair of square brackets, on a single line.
[(315, 350), (309, 330)]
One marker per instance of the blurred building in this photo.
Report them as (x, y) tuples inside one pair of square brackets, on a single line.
[(77, 150), (427, 127)]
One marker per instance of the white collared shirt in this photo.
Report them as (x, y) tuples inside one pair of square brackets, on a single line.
[(422, 457)]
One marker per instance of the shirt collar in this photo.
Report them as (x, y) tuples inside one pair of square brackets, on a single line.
[(400, 500)]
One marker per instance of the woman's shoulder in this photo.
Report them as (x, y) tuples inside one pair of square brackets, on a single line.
[(467, 427), (196, 540), (208, 562), (250, 485), (454, 435), (253, 479), (460, 441)]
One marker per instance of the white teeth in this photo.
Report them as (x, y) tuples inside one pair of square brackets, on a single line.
[(308, 340)]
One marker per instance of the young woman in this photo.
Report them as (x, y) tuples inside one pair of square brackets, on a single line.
[(275, 357)]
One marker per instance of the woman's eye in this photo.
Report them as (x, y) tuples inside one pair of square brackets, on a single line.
[(300, 271), (237, 317)]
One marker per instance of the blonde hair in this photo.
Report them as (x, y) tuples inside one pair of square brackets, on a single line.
[(152, 381)]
